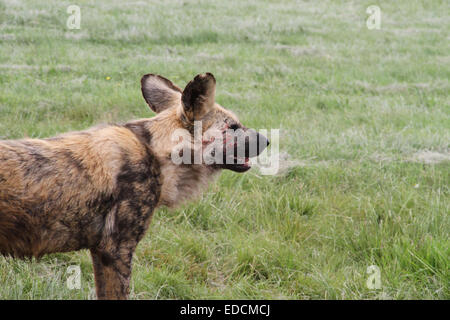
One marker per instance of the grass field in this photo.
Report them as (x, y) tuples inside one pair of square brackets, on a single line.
[(364, 145)]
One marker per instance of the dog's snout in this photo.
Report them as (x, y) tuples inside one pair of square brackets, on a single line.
[(263, 143), (255, 143)]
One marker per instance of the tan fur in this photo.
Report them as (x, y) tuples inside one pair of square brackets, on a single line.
[(98, 151), (97, 189), (180, 183)]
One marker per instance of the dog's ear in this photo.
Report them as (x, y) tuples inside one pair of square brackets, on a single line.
[(199, 96), (159, 92)]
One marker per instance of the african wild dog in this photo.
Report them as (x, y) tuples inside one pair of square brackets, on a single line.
[(97, 189)]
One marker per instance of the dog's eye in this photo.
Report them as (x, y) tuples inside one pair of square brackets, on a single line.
[(234, 127)]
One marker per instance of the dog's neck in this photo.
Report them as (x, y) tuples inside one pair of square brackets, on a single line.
[(182, 182)]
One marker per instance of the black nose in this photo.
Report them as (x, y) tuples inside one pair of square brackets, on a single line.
[(263, 143), (255, 143)]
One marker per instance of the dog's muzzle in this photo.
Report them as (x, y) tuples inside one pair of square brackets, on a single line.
[(247, 144)]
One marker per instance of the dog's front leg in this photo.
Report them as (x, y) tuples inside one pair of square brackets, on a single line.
[(112, 271)]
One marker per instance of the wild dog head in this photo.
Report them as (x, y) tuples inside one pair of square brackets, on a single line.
[(200, 130)]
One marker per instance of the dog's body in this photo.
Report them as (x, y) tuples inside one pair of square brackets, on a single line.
[(97, 189)]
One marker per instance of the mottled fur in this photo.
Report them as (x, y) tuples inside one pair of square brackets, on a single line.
[(97, 189)]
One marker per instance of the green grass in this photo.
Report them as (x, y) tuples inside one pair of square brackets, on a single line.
[(365, 126)]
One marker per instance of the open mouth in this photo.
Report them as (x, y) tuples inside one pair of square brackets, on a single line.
[(237, 153), (237, 164)]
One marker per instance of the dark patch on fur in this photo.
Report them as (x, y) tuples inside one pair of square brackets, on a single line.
[(106, 258), (73, 161), (39, 166), (140, 131), (139, 191)]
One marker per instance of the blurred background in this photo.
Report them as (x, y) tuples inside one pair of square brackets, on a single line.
[(364, 115)]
